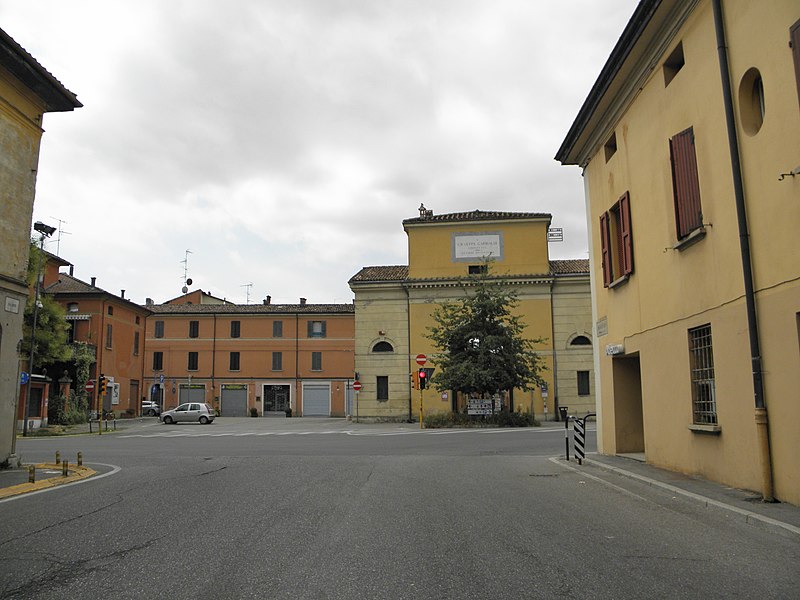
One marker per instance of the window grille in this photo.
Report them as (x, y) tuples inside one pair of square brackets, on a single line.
[(701, 359)]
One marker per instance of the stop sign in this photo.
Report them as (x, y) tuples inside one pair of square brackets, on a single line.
[(421, 359), (90, 386), (357, 386)]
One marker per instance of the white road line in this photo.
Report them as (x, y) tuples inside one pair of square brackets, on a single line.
[(114, 470)]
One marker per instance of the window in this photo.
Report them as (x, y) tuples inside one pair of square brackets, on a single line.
[(794, 36), (136, 320), (236, 329), (752, 107), (316, 361), (685, 183), (581, 340), (110, 310), (159, 329), (673, 64), (383, 347), (610, 147), (109, 331), (382, 387), (158, 361), (72, 307), (136, 343), (316, 329), (192, 365), (71, 331), (234, 361), (277, 329), (616, 241), (194, 329), (277, 361), (701, 363), (583, 383), (477, 269)]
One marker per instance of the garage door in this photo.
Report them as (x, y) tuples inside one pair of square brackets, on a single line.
[(233, 402), (192, 393), (316, 400)]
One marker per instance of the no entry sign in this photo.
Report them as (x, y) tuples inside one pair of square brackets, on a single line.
[(421, 359), (90, 386), (357, 386)]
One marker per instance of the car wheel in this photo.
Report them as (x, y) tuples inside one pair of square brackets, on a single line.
[(151, 413), (168, 420), (204, 420)]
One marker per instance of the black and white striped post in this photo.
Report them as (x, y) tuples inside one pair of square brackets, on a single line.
[(580, 437), (579, 431)]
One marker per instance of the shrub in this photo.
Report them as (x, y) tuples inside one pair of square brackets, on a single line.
[(441, 420), (253, 411)]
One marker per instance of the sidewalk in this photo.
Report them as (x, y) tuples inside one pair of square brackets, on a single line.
[(741, 504)]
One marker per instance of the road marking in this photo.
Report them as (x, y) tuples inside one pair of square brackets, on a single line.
[(349, 432), (114, 470)]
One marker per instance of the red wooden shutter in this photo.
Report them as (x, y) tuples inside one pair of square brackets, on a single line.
[(626, 240), (794, 41), (605, 250), (685, 183)]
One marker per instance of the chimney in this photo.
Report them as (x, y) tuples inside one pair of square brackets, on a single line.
[(268, 300), (93, 280), (302, 301), (122, 294), (148, 302), (71, 270)]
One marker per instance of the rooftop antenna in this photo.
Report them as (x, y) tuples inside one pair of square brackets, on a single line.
[(60, 232), (186, 280), (248, 286)]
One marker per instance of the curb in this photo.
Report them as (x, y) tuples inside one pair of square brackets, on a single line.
[(750, 517), (75, 474)]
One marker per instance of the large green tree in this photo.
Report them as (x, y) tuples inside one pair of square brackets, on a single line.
[(51, 326), (481, 345)]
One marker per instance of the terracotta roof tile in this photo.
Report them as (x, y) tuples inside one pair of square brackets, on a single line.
[(245, 309), (477, 215), (578, 266), (390, 273)]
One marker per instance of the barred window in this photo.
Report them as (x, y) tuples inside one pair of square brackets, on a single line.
[(701, 361)]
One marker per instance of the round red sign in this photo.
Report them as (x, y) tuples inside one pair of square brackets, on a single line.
[(90, 386), (421, 359), (357, 386)]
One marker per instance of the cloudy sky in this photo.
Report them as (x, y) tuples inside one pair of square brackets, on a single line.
[(283, 142)]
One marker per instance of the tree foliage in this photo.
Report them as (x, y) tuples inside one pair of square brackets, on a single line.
[(51, 326), (481, 347)]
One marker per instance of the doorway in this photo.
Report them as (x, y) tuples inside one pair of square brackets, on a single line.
[(628, 411), (276, 399)]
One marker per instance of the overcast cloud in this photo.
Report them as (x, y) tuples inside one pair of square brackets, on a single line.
[(283, 142)]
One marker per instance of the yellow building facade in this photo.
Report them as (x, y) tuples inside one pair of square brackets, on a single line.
[(690, 157), (395, 307), (27, 92)]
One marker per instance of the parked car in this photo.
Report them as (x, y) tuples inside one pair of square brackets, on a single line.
[(190, 411), (150, 408)]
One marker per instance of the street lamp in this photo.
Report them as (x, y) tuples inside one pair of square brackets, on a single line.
[(46, 231)]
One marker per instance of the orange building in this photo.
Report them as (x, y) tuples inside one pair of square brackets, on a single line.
[(266, 358), (112, 325)]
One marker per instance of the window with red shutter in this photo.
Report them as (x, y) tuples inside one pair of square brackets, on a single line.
[(616, 241), (685, 183)]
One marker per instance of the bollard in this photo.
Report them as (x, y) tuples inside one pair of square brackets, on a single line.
[(563, 410), (31, 474), (58, 457), (579, 428), (65, 468), (80, 459)]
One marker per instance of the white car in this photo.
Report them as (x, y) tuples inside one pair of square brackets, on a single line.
[(150, 408), (190, 411)]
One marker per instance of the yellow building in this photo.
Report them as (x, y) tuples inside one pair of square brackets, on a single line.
[(27, 91), (395, 304), (690, 156)]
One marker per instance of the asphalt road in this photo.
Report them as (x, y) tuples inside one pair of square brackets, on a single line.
[(302, 508)]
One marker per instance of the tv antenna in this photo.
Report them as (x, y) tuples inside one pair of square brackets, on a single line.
[(248, 286), (186, 280), (60, 232)]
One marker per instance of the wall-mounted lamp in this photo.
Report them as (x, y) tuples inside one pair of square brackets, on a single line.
[(381, 332)]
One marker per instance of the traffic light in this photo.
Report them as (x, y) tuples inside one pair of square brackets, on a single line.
[(415, 379), (103, 383), (423, 378)]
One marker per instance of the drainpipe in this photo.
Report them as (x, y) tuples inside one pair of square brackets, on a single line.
[(214, 358), (553, 346), (762, 424)]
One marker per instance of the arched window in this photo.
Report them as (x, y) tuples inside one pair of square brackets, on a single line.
[(581, 340), (383, 347)]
